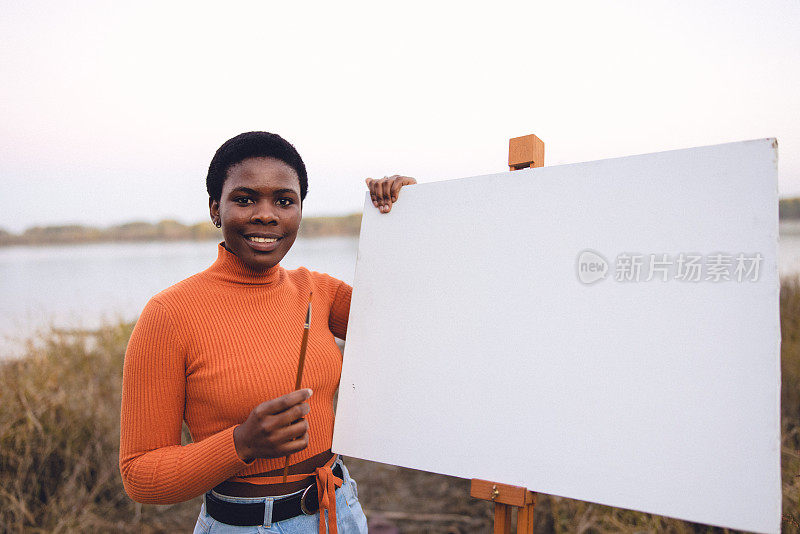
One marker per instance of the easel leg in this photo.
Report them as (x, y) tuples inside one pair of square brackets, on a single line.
[(502, 518), (525, 517)]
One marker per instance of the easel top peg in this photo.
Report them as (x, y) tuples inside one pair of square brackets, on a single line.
[(526, 151)]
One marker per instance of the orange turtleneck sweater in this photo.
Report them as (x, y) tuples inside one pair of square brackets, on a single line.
[(208, 350)]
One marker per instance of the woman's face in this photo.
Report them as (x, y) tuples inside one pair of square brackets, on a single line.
[(260, 211)]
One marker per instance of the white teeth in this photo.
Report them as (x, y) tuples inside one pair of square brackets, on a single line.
[(263, 239)]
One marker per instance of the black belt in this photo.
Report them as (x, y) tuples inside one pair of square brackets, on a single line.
[(252, 514)]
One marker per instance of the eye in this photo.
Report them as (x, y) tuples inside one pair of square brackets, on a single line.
[(285, 202), (243, 201)]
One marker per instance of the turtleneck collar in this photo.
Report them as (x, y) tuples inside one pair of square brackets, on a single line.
[(231, 269)]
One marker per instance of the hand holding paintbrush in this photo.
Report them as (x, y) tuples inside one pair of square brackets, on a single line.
[(276, 427), (300, 365)]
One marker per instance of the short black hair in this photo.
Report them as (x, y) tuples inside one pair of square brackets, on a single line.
[(253, 145)]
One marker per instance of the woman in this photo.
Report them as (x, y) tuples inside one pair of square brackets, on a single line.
[(219, 351)]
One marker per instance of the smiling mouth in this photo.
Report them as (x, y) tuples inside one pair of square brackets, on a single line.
[(257, 239), (263, 243)]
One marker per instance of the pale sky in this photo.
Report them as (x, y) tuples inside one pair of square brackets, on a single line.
[(111, 111)]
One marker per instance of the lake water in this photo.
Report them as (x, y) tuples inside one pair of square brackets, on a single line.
[(80, 286)]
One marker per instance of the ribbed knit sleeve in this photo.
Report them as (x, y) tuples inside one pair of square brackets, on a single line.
[(340, 310), (155, 467)]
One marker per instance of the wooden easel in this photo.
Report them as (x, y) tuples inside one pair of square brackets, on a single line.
[(523, 152)]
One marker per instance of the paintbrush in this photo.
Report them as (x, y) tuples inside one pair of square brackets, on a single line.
[(300, 366)]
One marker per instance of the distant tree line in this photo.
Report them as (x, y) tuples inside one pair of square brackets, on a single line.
[(171, 230), (166, 230)]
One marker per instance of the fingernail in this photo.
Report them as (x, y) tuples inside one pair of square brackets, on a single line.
[(310, 392)]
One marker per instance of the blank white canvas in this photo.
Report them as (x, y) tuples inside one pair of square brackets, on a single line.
[(474, 350)]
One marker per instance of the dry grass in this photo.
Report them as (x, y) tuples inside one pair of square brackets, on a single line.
[(59, 439), (59, 436)]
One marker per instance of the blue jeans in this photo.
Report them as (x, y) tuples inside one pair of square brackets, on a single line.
[(350, 517)]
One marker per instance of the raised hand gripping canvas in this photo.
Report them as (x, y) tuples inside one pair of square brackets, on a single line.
[(605, 331)]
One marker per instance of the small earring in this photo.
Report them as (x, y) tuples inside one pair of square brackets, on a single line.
[(217, 224)]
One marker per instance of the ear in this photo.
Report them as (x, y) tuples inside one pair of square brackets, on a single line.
[(213, 210)]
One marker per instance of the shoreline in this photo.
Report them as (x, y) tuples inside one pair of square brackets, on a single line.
[(169, 231), (163, 231)]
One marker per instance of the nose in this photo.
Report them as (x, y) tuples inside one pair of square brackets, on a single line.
[(264, 213)]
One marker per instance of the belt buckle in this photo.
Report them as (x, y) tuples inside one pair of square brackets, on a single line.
[(305, 509)]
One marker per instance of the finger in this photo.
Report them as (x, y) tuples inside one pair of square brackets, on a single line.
[(376, 193), (386, 195), (405, 180), (293, 446), (289, 433), (288, 441), (392, 179), (288, 417), (371, 185), (281, 404), (398, 182), (396, 185)]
